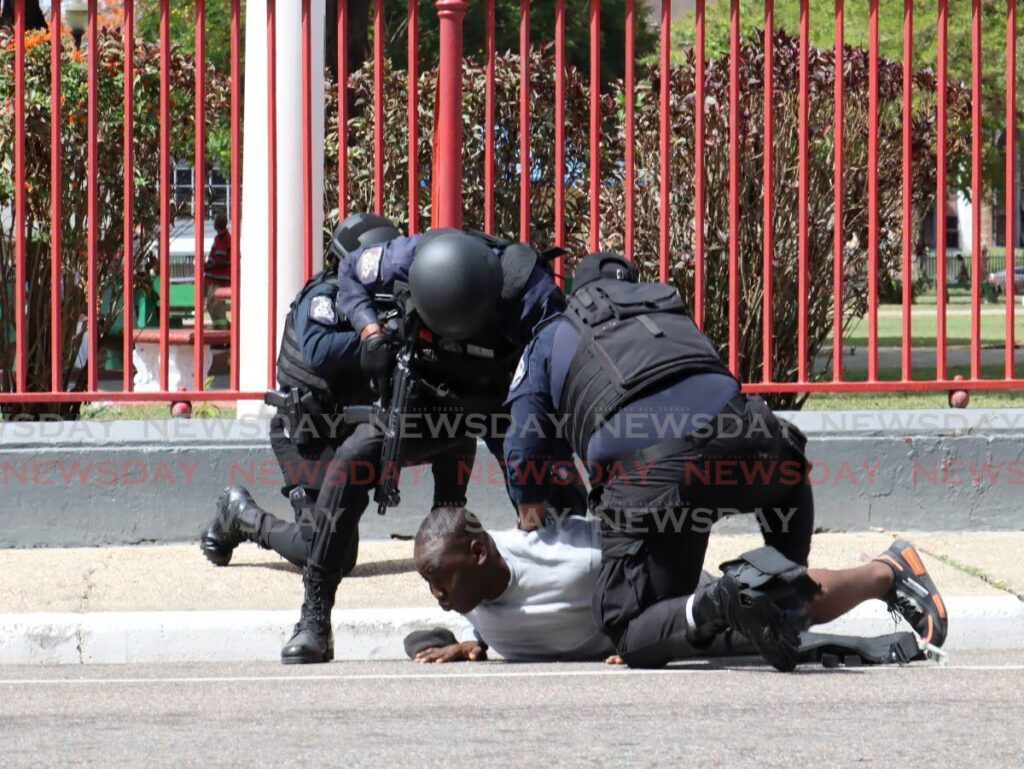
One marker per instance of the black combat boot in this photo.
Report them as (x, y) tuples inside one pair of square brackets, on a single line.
[(761, 596), (313, 639), (303, 504), (238, 520)]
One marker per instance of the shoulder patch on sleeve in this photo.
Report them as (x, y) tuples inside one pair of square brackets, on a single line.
[(520, 374), (321, 310), (368, 266)]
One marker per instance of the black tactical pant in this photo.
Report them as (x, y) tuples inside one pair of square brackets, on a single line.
[(307, 466), (355, 470), (656, 518)]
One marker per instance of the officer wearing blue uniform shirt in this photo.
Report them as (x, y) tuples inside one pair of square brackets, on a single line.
[(319, 361), (478, 299), (626, 381)]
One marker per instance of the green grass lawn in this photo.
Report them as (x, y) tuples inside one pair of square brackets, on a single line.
[(879, 401), (923, 319)]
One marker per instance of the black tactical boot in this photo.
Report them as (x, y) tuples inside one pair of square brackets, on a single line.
[(313, 638), (238, 520), (303, 505), (760, 596)]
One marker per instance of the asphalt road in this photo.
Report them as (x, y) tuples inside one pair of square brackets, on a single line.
[(968, 712)]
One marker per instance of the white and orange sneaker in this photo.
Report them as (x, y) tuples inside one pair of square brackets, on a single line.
[(914, 595)]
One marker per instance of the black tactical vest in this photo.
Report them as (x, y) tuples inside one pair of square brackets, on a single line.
[(634, 337), (294, 372)]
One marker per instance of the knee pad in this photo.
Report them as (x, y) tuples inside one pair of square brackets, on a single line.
[(765, 573)]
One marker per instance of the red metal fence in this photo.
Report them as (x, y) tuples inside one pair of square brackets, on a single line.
[(446, 181)]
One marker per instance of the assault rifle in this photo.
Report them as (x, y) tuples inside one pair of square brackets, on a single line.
[(389, 411)]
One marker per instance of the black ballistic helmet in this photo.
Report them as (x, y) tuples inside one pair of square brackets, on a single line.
[(360, 230), (604, 264), (455, 281)]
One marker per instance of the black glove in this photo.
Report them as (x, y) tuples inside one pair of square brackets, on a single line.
[(377, 359)]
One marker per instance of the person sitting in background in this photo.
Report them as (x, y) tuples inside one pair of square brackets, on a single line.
[(217, 271), (529, 595)]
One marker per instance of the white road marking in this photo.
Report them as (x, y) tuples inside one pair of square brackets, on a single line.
[(612, 671)]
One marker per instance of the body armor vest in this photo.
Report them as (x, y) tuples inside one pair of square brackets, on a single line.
[(294, 372), (634, 337)]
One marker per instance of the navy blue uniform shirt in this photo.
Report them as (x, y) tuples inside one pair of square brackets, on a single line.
[(329, 345)]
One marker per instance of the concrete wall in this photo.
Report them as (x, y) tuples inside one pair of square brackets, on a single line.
[(95, 483)]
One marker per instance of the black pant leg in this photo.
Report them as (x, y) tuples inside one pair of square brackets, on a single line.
[(288, 540), (452, 468), (638, 573)]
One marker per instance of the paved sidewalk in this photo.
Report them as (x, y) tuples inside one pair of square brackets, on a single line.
[(178, 578), (167, 603)]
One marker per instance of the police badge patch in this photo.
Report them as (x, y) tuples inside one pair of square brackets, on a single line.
[(520, 372), (321, 309), (369, 264)]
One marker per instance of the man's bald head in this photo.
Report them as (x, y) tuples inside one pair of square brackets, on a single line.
[(458, 559), (443, 530)]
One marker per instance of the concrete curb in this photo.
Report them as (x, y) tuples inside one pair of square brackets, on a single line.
[(991, 622)]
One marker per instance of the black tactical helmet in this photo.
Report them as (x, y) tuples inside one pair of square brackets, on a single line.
[(360, 230), (604, 264), (455, 281)]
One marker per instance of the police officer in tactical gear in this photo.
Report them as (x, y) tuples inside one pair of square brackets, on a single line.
[(479, 300), (626, 381), (319, 373)]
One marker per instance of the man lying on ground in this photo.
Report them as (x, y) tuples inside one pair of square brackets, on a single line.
[(529, 595)]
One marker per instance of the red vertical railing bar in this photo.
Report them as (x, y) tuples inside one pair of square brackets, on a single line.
[(307, 144), (412, 67), (976, 265), (838, 190), (236, 186), (698, 172), (199, 189), (524, 121), (908, 130), (128, 29), (489, 36), (802, 286), (595, 125), (663, 223), (447, 204), (21, 340), (1010, 183), (165, 188), (767, 185), (272, 189), (56, 214), (342, 110), (559, 133), (630, 77), (940, 197), (873, 191), (92, 203), (378, 106), (734, 187)]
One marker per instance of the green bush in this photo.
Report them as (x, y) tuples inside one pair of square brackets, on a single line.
[(74, 188)]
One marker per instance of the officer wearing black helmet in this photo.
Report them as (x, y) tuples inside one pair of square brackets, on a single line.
[(479, 300), (319, 373), (626, 381)]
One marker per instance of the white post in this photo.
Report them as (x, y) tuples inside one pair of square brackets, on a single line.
[(254, 253)]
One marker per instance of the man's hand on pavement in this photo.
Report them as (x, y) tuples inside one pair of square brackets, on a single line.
[(470, 651)]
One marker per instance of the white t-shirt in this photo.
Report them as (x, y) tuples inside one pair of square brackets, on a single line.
[(544, 613)]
